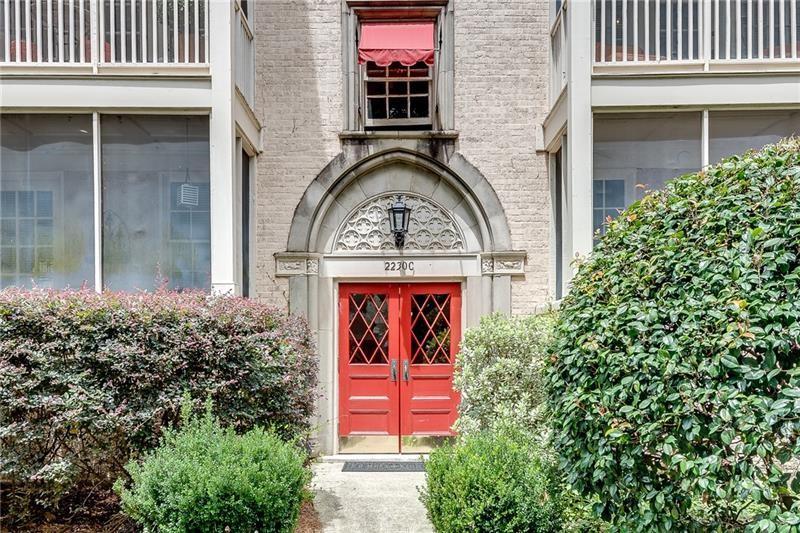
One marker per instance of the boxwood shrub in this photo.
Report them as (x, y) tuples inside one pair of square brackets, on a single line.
[(88, 380), (204, 477), (493, 481), (676, 375)]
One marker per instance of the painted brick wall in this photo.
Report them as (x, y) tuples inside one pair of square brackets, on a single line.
[(500, 100), (501, 80), (299, 103)]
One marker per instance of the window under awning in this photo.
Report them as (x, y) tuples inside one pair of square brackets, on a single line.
[(387, 42)]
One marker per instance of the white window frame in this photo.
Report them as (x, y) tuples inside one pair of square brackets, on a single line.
[(40, 183), (419, 121), (247, 15), (168, 179), (605, 207)]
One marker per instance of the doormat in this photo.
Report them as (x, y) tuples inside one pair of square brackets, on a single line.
[(383, 466)]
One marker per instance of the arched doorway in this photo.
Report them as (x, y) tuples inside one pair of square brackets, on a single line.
[(378, 309)]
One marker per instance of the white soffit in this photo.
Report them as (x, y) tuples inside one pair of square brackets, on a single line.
[(695, 91), (105, 93)]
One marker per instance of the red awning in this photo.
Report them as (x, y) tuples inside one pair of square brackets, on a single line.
[(386, 42)]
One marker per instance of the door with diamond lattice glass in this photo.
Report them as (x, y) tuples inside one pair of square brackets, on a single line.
[(397, 346), (430, 333), (368, 359)]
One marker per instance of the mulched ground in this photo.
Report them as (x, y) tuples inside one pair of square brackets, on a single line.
[(104, 517), (96, 511), (309, 519)]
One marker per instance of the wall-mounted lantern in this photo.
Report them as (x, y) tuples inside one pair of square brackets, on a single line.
[(399, 215)]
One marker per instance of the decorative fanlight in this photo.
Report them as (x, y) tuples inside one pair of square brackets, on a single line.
[(188, 194), (399, 215)]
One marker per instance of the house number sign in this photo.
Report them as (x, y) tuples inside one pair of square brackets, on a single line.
[(393, 267), (398, 266)]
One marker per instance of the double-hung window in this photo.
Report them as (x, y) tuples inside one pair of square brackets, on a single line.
[(397, 67), (398, 95)]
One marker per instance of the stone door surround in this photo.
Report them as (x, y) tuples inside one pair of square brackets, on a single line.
[(338, 235)]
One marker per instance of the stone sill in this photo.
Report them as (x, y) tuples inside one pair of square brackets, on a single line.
[(366, 135)]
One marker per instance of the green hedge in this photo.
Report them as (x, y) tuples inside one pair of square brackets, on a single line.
[(88, 380), (207, 478), (499, 372), (676, 383), (493, 482)]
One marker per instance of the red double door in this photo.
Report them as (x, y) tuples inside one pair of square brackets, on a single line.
[(397, 347)]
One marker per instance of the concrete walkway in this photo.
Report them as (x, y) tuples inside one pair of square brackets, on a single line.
[(368, 502)]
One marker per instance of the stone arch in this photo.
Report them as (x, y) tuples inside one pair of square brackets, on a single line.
[(474, 245), (460, 187)]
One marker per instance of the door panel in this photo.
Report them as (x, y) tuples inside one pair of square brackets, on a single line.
[(430, 334), (368, 388), (397, 346)]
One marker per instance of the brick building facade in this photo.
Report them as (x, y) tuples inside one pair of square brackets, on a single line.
[(391, 169), (499, 100)]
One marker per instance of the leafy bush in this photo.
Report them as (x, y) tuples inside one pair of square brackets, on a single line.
[(207, 478), (88, 380), (677, 376), (492, 482), (499, 372)]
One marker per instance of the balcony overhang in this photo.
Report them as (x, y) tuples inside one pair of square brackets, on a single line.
[(757, 89), (105, 93)]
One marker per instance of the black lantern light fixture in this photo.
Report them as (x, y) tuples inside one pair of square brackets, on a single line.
[(399, 215)]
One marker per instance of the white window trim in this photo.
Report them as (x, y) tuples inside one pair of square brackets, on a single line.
[(426, 121), (247, 17), (42, 182), (441, 13)]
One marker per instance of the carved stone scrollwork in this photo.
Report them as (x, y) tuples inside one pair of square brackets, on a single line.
[(511, 266), (288, 264), (503, 263), (430, 226), (291, 267)]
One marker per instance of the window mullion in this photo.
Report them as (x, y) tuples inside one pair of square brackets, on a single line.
[(98, 206)]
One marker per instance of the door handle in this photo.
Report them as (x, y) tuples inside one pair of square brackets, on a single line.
[(405, 370), (394, 369)]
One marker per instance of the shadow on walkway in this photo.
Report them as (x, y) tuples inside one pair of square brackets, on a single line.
[(368, 502)]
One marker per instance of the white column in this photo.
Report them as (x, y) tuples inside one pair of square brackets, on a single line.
[(578, 158), (224, 278), (98, 203), (704, 151)]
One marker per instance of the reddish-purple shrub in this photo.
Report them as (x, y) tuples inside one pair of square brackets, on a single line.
[(88, 380)]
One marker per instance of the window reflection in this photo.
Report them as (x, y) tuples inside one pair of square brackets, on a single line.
[(46, 201), (637, 153), (156, 218), (736, 132)]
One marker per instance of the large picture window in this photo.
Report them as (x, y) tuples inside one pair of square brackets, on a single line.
[(46, 201), (156, 220)]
